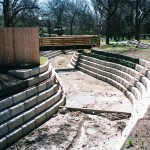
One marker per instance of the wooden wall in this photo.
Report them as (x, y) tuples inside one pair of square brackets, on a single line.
[(19, 46)]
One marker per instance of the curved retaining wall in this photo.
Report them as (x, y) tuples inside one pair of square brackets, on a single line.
[(134, 83), (24, 111)]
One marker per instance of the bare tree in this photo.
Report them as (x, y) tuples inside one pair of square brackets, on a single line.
[(73, 10), (107, 9), (57, 8), (12, 8), (77, 9), (139, 10)]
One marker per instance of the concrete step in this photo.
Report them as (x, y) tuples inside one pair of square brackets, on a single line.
[(119, 76), (114, 77), (40, 77), (110, 81), (26, 104), (26, 94), (143, 68), (42, 53), (56, 54), (46, 82), (127, 70), (119, 73), (28, 73), (122, 74), (50, 56), (50, 53), (27, 109), (27, 126), (141, 76)]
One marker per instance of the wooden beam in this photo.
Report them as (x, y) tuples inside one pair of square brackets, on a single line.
[(93, 111)]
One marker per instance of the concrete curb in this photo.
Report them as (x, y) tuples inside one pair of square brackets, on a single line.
[(28, 73)]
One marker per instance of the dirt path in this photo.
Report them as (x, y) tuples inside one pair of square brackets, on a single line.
[(62, 61), (73, 131)]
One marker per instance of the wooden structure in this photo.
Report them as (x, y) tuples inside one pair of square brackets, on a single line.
[(69, 42), (19, 47)]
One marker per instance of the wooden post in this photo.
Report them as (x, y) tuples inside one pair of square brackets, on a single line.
[(19, 46)]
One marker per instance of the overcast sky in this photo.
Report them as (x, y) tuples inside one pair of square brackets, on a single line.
[(46, 0)]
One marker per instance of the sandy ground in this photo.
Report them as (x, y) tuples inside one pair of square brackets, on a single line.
[(75, 130), (62, 61), (84, 91), (142, 54)]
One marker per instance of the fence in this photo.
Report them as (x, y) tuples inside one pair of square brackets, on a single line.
[(66, 42), (19, 46)]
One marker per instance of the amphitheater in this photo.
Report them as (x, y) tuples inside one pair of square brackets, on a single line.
[(44, 93)]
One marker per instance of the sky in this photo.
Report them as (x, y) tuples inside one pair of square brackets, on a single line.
[(46, 0)]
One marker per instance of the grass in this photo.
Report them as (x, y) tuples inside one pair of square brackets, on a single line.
[(118, 48), (121, 48), (146, 41), (129, 143), (43, 60)]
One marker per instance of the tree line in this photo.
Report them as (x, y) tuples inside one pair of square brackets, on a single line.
[(112, 18)]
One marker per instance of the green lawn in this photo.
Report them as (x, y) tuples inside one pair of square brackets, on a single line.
[(117, 48), (43, 60)]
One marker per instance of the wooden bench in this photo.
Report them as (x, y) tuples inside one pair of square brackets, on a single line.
[(68, 42)]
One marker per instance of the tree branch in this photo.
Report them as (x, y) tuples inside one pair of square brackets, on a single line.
[(1, 2)]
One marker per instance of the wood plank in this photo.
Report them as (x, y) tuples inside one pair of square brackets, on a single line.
[(93, 111), (70, 40), (19, 46)]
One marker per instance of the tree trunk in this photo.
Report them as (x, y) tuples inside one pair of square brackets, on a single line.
[(108, 29), (6, 13), (137, 32), (71, 25), (137, 24), (71, 29)]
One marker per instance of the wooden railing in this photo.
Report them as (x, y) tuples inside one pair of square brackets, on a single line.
[(66, 42)]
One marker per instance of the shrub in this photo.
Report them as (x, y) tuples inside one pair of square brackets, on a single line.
[(80, 50), (112, 59)]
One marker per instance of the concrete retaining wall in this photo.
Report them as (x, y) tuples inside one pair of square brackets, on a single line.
[(24, 111), (135, 84)]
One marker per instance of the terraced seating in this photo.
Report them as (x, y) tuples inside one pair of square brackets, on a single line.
[(134, 83), (123, 75), (24, 111), (51, 54)]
